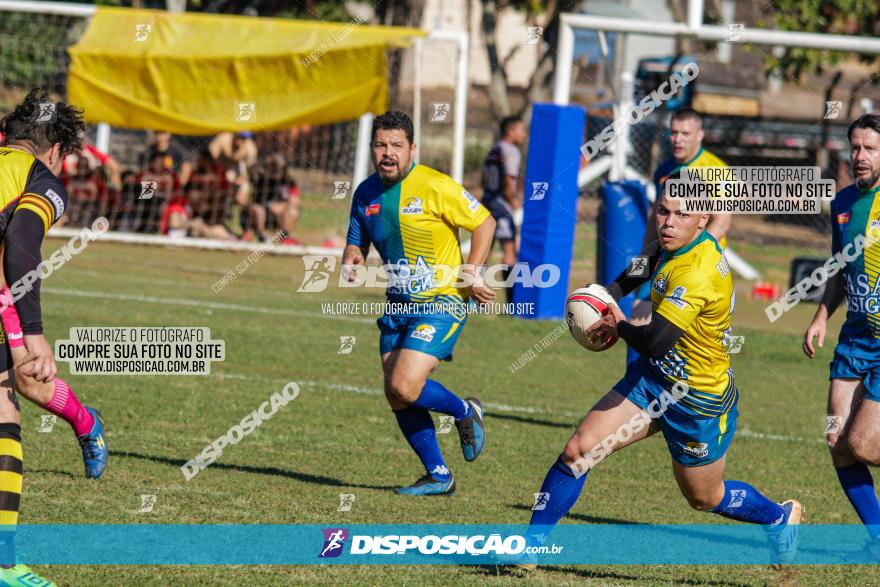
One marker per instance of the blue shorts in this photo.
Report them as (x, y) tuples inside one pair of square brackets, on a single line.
[(505, 227), (432, 333), (692, 440), (844, 366)]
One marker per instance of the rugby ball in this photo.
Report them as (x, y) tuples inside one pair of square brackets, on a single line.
[(585, 306)]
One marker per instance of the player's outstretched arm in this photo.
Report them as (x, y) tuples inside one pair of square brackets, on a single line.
[(834, 294), (719, 224)]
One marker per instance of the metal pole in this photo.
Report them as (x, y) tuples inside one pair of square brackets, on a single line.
[(418, 49), (564, 58), (362, 152)]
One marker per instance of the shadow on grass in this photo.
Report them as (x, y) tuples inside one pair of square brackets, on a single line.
[(582, 517), (530, 420), (304, 477)]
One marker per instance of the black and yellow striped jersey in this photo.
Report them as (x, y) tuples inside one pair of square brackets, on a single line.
[(31, 200), (27, 184)]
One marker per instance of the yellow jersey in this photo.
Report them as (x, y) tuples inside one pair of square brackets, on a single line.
[(693, 289), (414, 226)]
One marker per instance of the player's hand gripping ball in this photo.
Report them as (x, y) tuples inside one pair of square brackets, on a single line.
[(585, 307)]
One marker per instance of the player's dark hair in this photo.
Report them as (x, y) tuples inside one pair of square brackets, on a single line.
[(507, 123), (871, 121), (686, 114), (393, 120), (24, 124)]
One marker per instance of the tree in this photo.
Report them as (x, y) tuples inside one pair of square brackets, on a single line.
[(860, 18), (538, 13)]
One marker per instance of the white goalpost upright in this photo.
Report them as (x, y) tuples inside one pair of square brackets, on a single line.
[(615, 164)]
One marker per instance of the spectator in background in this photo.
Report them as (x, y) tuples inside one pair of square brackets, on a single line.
[(209, 196), (273, 190), (158, 185), (237, 152), (173, 157), (502, 191), (87, 194)]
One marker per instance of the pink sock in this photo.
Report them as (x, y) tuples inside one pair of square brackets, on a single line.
[(65, 404)]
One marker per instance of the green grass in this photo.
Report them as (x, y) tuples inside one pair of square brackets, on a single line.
[(331, 441)]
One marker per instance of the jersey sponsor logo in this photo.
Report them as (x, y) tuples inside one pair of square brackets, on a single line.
[(424, 332), (57, 202), (843, 218), (404, 278), (413, 207), (722, 267), (372, 209), (473, 203), (677, 296), (659, 284), (672, 364), (696, 449)]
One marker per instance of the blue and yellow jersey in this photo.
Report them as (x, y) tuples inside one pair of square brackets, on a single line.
[(856, 212), (693, 289), (414, 227), (27, 184), (703, 158)]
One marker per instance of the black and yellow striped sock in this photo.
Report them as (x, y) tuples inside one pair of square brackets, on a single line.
[(10, 489)]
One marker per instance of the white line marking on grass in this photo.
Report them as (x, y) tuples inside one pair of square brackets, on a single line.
[(743, 432), (200, 304)]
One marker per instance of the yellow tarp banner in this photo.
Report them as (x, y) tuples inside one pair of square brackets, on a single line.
[(202, 73)]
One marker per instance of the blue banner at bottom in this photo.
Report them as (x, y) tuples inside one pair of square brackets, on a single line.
[(590, 544)]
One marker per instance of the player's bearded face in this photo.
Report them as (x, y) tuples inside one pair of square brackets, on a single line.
[(675, 228), (392, 155), (865, 154)]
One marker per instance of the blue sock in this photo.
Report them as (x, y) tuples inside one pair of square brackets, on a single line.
[(745, 503), (563, 490), (859, 488), (436, 398), (418, 429)]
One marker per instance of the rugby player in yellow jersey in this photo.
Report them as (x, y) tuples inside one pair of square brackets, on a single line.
[(681, 385), (411, 215), (686, 141), (39, 133)]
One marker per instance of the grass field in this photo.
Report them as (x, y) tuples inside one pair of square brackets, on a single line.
[(339, 437)]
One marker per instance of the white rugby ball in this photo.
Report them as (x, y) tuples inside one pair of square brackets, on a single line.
[(585, 306)]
